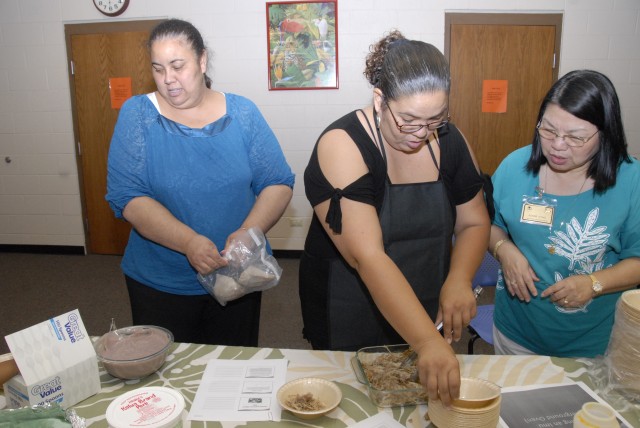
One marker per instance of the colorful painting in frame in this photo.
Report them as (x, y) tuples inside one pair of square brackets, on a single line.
[(303, 45)]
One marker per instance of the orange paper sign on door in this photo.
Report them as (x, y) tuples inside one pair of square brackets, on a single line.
[(494, 96), (120, 90)]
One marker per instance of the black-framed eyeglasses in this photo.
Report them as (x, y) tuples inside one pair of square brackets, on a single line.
[(408, 128), (570, 140)]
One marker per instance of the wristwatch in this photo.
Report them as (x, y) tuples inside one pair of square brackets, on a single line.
[(596, 286)]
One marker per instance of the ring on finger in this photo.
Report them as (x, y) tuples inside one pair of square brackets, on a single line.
[(565, 301)]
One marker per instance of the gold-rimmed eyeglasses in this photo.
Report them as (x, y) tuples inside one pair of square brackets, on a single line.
[(409, 128), (570, 140)]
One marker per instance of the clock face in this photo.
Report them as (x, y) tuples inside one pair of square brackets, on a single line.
[(111, 7)]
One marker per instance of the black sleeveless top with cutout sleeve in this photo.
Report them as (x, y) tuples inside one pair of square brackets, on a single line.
[(457, 170)]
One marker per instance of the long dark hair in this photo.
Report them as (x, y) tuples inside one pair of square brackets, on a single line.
[(175, 29), (589, 95)]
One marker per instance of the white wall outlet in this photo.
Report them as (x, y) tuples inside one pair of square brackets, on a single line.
[(296, 222)]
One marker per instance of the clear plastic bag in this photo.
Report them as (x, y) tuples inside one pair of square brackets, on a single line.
[(250, 269)]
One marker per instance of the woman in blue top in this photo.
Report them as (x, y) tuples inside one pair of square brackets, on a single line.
[(189, 167), (567, 225)]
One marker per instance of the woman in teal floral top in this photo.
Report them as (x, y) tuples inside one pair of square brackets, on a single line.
[(567, 225)]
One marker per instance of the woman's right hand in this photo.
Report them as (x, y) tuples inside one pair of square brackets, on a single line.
[(518, 275), (439, 370), (203, 255)]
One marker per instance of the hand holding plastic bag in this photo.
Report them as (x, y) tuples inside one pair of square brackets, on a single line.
[(250, 268)]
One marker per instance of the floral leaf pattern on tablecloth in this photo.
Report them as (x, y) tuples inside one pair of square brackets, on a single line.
[(510, 370), (185, 366)]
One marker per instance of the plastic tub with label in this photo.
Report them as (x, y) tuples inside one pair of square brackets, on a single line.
[(149, 407)]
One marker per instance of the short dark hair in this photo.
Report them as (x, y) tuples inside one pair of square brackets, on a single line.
[(589, 95), (177, 28)]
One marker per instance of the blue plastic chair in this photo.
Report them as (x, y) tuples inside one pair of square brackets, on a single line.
[(481, 327)]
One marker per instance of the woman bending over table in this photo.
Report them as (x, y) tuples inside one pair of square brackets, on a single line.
[(390, 185)]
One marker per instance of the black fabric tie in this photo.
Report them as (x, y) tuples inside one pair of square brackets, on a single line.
[(334, 215)]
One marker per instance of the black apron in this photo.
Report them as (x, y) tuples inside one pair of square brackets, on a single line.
[(417, 226)]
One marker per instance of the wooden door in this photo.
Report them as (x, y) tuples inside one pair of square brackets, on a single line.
[(97, 53), (519, 49)]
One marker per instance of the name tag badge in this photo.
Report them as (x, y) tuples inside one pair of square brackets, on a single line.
[(538, 210), (537, 214)]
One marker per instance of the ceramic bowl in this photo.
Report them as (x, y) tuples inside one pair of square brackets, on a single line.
[(134, 352), (326, 392)]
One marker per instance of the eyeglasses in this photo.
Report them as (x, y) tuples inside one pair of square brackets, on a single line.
[(412, 129), (570, 140)]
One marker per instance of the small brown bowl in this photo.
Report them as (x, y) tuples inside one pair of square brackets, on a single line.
[(476, 393), (325, 391)]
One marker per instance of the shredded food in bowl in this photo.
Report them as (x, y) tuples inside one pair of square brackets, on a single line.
[(385, 373), (304, 402)]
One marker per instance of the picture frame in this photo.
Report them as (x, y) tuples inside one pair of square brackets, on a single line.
[(302, 45)]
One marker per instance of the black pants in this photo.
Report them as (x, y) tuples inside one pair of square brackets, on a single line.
[(197, 319)]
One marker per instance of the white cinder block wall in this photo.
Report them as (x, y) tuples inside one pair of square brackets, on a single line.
[(39, 189)]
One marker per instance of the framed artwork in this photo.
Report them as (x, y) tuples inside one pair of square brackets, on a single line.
[(302, 45)]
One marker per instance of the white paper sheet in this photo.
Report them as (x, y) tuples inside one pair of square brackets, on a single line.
[(380, 420), (239, 390)]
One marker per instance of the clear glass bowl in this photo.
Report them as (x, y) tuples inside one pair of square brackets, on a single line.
[(134, 352), (386, 397)]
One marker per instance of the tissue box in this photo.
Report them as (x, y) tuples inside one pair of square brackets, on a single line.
[(57, 363)]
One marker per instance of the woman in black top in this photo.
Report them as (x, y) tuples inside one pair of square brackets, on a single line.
[(391, 185)]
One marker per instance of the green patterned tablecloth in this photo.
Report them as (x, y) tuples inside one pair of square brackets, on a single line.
[(184, 367)]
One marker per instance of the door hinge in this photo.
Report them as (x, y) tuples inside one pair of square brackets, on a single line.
[(73, 71), (554, 61), (86, 226), (79, 149)]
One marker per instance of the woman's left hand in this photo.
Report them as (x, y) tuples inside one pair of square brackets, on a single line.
[(240, 235), (457, 309), (572, 292)]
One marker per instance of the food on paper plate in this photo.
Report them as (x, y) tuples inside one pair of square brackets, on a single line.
[(304, 402)]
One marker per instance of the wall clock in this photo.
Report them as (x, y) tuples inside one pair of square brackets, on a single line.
[(111, 7)]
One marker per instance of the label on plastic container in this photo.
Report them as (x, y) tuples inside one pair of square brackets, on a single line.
[(150, 407)]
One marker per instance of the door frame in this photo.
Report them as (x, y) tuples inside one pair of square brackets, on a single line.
[(92, 28), (505, 18)]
